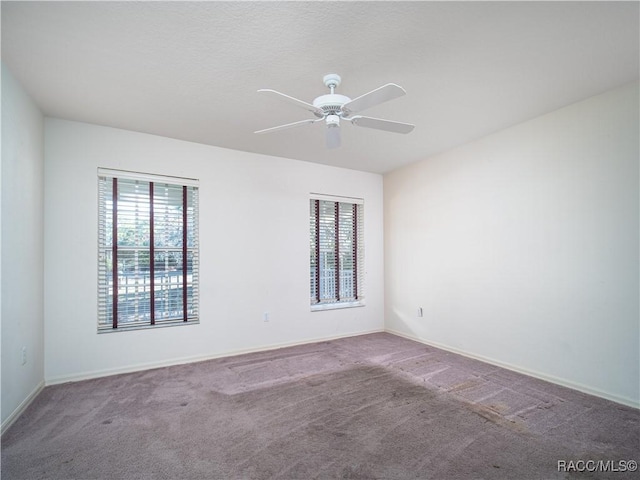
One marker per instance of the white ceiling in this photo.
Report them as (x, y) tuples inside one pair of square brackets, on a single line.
[(190, 70)]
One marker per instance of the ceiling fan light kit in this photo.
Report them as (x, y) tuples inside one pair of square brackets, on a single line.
[(332, 107)]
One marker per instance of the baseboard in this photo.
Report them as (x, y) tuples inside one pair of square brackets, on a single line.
[(531, 373), (193, 359), (21, 408)]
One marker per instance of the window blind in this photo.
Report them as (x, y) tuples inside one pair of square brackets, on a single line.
[(148, 251), (336, 251)]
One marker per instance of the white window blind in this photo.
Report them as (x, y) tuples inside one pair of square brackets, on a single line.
[(336, 251), (148, 251)]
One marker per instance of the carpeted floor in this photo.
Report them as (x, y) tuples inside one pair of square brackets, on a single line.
[(373, 406)]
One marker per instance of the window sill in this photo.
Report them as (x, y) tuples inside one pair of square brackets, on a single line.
[(335, 306)]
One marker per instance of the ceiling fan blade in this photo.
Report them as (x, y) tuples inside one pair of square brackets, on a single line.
[(379, 95), (288, 125), (307, 106), (379, 124), (333, 137)]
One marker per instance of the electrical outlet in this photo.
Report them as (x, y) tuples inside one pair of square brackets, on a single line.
[(420, 311), (24, 355), (265, 316)]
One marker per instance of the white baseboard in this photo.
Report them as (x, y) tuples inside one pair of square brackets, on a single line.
[(198, 358), (21, 408), (531, 373)]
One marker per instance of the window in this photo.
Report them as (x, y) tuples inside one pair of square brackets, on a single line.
[(336, 252), (147, 250)]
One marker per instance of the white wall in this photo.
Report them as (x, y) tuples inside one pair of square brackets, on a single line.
[(522, 247), (253, 249), (22, 248)]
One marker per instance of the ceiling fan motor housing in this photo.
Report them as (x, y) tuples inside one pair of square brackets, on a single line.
[(331, 103)]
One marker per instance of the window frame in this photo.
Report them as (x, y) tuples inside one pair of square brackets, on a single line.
[(188, 251), (357, 245)]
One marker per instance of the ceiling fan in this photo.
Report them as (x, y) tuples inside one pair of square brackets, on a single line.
[(331, 108)]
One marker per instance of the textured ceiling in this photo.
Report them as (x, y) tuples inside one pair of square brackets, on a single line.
[(190, 70)]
